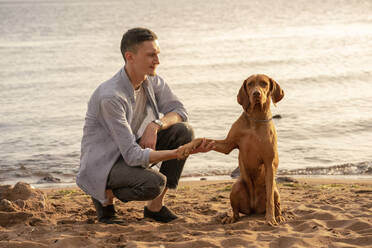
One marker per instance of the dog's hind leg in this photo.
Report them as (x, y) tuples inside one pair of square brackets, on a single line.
[(239, 199)]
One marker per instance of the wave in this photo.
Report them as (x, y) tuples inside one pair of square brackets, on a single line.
[(348, 169), (361, 168), (35, 176)]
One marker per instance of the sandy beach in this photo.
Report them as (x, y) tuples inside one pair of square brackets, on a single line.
[(318, 212)]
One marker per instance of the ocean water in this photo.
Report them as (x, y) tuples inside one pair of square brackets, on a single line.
[(53, 54)]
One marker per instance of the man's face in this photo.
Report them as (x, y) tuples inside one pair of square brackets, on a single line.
[(146, 59)]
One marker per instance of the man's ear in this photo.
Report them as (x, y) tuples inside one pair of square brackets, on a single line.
[(128, 56), (276, 92), (243, 97)]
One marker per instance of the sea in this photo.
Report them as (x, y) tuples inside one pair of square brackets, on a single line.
[(54, 53)]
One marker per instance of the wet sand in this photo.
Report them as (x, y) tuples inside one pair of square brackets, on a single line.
[(318, 212)]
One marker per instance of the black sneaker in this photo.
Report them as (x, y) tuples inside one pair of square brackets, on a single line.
[(164, 215), (106, 214)]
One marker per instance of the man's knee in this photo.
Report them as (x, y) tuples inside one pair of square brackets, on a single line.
[(153, 187), (184, 132), (149, 188), (175, 136)]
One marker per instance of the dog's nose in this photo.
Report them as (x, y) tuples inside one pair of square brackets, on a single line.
[(256, 94)]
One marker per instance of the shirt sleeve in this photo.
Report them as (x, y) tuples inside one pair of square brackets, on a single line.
[(166, 100), (113, 115)]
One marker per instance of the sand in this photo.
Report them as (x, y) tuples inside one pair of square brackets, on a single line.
[(319, 213)]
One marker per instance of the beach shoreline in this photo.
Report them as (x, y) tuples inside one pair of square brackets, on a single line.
[(319, 213), (365, 179)]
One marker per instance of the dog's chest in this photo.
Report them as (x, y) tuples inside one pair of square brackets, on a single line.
[(255, 145), (256, 137)]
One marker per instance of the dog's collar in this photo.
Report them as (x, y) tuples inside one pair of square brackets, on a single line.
[(257, 120)]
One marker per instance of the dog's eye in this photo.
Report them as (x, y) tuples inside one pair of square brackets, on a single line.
[(263, 84), (250, 84)]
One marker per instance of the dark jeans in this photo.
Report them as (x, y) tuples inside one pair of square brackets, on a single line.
[(130, 183)]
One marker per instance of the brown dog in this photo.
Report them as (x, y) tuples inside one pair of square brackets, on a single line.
[(255, 136)]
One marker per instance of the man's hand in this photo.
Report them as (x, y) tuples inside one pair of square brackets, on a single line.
[(149, 137), (195, 146)]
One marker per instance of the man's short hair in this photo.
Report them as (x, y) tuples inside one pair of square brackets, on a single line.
[(133, 37)]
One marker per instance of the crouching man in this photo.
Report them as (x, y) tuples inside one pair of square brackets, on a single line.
[(123, 134)]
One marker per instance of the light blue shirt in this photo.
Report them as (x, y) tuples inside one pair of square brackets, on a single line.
[(107, 132)]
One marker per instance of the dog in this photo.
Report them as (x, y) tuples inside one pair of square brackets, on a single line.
[(254, 134)]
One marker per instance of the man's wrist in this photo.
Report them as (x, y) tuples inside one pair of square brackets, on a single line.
[(158, 123), (175, 153), (154, 127)]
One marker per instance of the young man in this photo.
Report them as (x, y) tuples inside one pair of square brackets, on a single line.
[(124, 134)]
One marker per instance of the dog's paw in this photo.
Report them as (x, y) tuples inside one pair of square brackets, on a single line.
[(270, 220), (224, 218), (280, 219), (228, 220)]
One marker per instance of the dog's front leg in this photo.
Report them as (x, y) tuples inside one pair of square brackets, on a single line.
[(224, 146), (269, 181)]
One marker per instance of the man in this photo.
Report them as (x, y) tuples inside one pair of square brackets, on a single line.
[(124, 134)]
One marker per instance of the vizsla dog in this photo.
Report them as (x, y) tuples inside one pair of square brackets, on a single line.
[(254, 135)]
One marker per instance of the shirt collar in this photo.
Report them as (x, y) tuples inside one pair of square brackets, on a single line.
[(128, 87)]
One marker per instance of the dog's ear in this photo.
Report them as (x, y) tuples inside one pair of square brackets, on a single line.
[(276, 92), (243, 97)]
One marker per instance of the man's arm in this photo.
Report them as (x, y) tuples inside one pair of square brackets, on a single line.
[(166, 101), (112, 116), (169, 104), (149, 137), (157, 156), (170, 119)]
